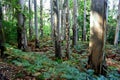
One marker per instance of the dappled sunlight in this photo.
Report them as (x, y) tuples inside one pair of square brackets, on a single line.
[(96, 29)]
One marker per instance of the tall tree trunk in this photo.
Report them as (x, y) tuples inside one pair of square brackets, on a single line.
[(64, 19), (22, 38), (56, 29), (41, 18), (96, 59), (67, 30), (84, 28), (118, 26), (52, 24), (2, 39), (36, 25), (30, 20), (74, 41)]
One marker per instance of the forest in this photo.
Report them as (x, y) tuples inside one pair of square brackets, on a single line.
[(59, 39)]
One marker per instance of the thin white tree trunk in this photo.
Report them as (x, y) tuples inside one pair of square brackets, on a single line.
[(118, 26), (30, 19), (84, 28), (36, 25)]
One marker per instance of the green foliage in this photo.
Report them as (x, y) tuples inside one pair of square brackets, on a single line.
[(111, 30), (35, 63), (47, 30), (10, 31), (81, 18)]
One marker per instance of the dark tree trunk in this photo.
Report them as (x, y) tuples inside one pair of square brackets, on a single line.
[(2, 37), (56, 29), (67, 30), (96, 59)]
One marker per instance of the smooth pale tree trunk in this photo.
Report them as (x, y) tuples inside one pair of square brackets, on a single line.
[(30, 19), (41, 18), (21, 30), (74, 41), (64, 19), (96, 59), (60, 17), (52, 24), (84, 27), (67, 30), (36, 25), (118, 26), (56, 29)]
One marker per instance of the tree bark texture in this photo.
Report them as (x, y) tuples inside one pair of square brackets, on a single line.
[(2, 36), (67, 30), (118, 26), (21, 30), (36, 25), (96, 59), (56, 29), (74, 41)]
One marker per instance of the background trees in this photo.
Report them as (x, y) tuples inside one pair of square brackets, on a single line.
[(56, 28), (75, 23), (61, 31)]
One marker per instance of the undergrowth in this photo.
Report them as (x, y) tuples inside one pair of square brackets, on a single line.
[(43, 67)]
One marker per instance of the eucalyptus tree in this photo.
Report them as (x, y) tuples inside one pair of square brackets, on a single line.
[(36, 25), (84, 28), (118, 26), (41, 17), (96, 59), (2, 40), (56, 27), (75, 15), (21, 29), (30, 19), (67, 29)]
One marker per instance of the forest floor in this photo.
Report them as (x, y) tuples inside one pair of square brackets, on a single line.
[(40, 63)]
